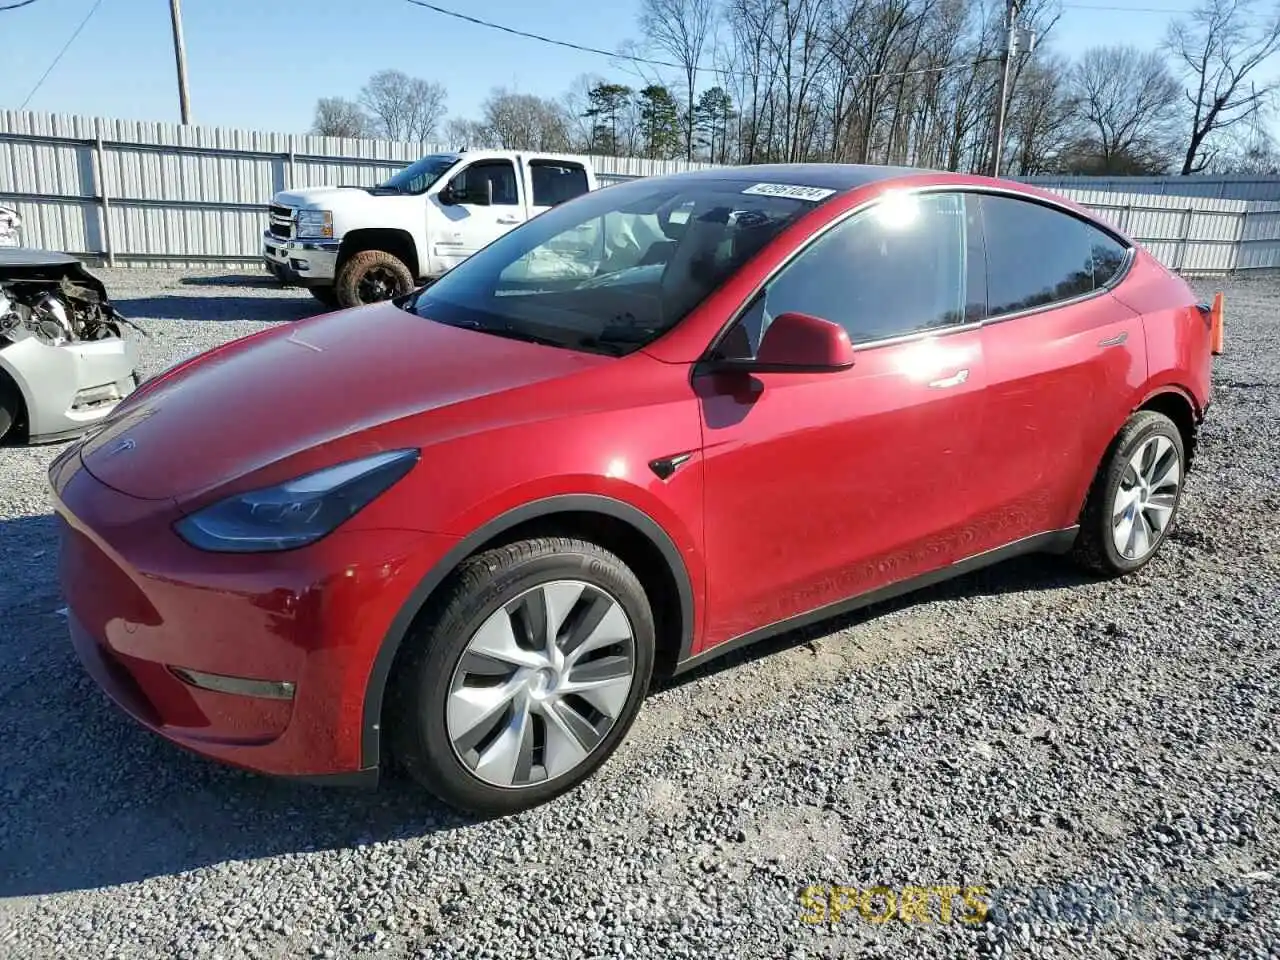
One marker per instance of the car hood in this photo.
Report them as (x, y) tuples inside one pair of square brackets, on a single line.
[(28, 263), (266, 398), (332, 198)]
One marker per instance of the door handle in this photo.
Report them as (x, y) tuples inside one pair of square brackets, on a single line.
[(508, 220), (1115, 341), (957, 378)]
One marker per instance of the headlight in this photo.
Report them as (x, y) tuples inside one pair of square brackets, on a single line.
[(315, 223), (297, 512)]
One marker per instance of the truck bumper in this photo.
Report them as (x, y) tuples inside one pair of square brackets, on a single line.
[(301, 263)]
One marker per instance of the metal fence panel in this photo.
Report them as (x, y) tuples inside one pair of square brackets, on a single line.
[(147, 192), (1239, 187)]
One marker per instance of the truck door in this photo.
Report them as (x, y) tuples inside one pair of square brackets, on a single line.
[(480, 203)]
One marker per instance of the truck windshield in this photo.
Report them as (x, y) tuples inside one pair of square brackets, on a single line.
[(419, 175), (611, 271)]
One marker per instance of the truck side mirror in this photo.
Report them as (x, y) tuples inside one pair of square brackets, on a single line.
[(456, 192)]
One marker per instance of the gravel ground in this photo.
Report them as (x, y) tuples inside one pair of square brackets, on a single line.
[(1101, 758)]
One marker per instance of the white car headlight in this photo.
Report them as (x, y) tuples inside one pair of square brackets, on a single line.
[(297, 512), (315, 223)]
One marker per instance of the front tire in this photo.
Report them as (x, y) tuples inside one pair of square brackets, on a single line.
[(523, 676), (10, 405), (1134, 501), (372, 276)]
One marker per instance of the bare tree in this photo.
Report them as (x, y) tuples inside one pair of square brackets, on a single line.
[(1043, 116), (576, 102), (1220, 48), (404, 107), (463, 134), (1253, 151), (681, 29), (910, 82), (340, 117), (1128, 102), (516, 121)]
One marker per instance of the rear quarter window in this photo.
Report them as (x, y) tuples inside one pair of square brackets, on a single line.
[(1037, 255), (1108, 257)]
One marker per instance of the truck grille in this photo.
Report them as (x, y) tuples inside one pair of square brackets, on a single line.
[(281, 221)]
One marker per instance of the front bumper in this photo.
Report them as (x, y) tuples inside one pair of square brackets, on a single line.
[(305, 263), (145, 610), (70, 387)]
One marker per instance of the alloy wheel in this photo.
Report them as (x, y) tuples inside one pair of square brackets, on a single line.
[(541, 683), (378, 284), (1146, 498)]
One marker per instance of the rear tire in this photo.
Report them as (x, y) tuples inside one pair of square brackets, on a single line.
[(371, 276), (479, 716), (1133, 503)]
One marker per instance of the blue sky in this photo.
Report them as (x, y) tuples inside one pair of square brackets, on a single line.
[(259, 64)]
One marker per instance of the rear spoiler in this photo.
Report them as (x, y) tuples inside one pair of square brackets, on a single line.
[(1213, 313)]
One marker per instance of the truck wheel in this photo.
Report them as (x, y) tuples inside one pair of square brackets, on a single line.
[(370, 276), (326, 295)]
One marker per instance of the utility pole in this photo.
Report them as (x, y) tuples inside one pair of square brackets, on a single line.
[(1016, 40), (1006, 61), (180, 56)]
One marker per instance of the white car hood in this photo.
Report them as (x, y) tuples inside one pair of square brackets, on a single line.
[(323, 198)]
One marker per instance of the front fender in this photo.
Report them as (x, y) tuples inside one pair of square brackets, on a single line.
[(375, 690), (14, 372)]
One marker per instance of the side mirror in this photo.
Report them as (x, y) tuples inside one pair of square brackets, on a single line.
[(447, 196), (799, 343)]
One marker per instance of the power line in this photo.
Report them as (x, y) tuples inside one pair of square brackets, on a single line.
[(967, 65), (15, 6), (70, 40), (534, 36)]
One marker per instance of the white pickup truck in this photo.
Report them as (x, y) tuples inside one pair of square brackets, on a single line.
[(356, 245)]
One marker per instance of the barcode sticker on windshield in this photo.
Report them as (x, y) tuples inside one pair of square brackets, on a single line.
[(793, 191)]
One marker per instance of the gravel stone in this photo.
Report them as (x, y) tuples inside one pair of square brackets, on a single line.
[(1101, 758)]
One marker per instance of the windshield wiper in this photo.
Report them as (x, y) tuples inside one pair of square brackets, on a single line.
[(616, 338), (506, 330)]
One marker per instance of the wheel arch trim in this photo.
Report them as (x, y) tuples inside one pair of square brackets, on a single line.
[(641, 522), (1149, 393), (1171, 389), (361, 239)]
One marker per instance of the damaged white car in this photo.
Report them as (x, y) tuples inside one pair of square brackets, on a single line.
[(64, 359)]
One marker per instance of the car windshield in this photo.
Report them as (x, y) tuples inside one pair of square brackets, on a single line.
[(416, 177), (611, 271)]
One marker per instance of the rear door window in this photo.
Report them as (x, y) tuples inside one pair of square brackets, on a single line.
[(1038, 256), (556, 181)]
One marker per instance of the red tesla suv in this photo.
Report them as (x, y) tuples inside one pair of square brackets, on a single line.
[(462, 530)]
